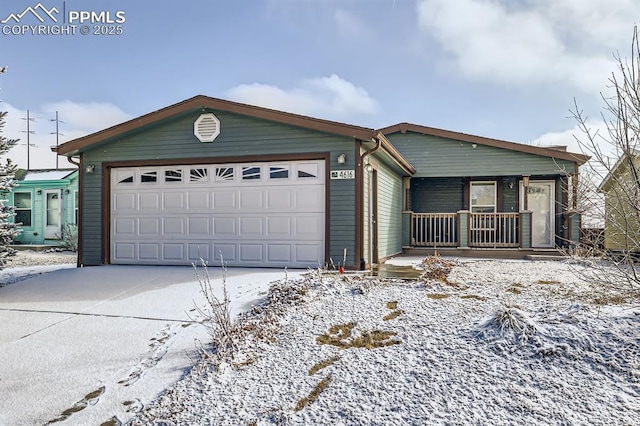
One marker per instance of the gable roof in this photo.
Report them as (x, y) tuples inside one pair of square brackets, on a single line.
[(622, 163), (200, 101), (537, 150)]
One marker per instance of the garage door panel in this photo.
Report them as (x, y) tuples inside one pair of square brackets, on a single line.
[(199, 226), (125, 226), (276, 219), (227, 250), (149, 226), (149, 251), (124, 201), (173, 200), (173, 252), (224, 200), (148, 202), (251, 227), (198, 251), (223, 226), (250, 252), (173, 226), (279, 253)]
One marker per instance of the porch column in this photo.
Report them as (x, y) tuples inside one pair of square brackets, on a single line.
[(463, 229), (525, 229), (406, 228), (575, 223)]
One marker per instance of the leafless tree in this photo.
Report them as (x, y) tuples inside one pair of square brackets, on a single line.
[(612, 176)]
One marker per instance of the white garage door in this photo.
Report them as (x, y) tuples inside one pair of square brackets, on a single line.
[(257, 214)]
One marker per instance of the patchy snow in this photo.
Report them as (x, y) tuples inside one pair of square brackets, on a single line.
[(88, 345), (38, 175), (514, 342)]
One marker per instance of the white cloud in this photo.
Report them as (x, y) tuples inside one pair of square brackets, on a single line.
[(526, 43), (79, 119), (326, 97)]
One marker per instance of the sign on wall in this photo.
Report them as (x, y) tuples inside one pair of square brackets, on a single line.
[(343, 174)]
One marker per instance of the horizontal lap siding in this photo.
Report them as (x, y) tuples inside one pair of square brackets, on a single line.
[(389, 213), (437, 195), (240, 136), (434, 156)]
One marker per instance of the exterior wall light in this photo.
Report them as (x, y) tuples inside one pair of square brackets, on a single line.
[(90, 168), (342, 158)]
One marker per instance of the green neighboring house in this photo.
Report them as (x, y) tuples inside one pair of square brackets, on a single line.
[(44, 201), (209, 178)]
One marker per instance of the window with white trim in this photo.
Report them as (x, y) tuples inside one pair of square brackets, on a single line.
[(22, 201), (483, 197)]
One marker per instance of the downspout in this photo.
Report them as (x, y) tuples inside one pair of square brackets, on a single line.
[(79, 206), (70, 159), (364, 155)]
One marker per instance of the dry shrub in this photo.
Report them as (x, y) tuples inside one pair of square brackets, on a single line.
[(437, 269), (510, 324)]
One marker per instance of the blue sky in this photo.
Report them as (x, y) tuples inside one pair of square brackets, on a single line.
[(507, 69)]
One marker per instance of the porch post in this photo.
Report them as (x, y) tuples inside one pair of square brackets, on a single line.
[(406, 228), (575, 223), (463, 229), (525, 229)]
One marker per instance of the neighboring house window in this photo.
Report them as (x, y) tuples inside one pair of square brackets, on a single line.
[(76, 202), (22, 201), (483, 197)]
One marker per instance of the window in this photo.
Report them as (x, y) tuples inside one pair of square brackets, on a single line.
[(76, 202), (224, 174), (250, 172), (278, 172), (146, 177), (307, 170), (174, 175), (483, 197), (22, 201), (199, 175)]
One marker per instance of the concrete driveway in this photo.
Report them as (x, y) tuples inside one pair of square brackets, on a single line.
[(85, 345)]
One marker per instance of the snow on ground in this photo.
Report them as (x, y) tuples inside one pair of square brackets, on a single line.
[(26, 264), (515, 342)]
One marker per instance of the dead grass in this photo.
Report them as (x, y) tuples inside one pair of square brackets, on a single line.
[(610, 300), (438, 296), (392, 305), (339, 335), (393, 315), (514, 290), (323, 364), (473, 296), (314, 394), (548, 282)]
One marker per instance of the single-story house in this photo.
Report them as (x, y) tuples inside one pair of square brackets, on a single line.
[(209, 178), (621, 189), (44, 201)]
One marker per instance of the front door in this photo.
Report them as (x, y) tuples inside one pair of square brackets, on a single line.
[(53, 213), (540, 200)]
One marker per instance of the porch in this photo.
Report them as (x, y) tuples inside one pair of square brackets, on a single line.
[(492, 233)]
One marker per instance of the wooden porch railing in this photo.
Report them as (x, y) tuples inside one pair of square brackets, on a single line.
[(434, 229), (494, 230)]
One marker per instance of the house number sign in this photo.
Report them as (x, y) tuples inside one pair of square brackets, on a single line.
[(343, 174)]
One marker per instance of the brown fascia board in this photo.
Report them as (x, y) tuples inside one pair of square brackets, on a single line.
[(395, 154), (547, 152), (204, 102)]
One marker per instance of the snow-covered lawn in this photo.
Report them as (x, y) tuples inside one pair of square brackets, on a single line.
[(505, 342)]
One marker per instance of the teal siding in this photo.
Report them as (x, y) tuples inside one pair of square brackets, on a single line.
[(240, 136), (437, 195), (389, 212), (434, 156), (34, 234)]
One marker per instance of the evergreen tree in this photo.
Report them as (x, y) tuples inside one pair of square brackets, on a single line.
[(8, 229)]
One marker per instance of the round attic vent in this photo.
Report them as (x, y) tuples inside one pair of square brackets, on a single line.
[(206, 128)]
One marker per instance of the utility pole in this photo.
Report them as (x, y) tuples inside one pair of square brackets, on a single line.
[(57, 133), (28, 132)]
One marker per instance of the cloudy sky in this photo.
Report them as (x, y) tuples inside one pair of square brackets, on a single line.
[(506, 69)]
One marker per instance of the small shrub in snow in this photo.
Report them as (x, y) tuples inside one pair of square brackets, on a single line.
[(437, 269), (509, 326)]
